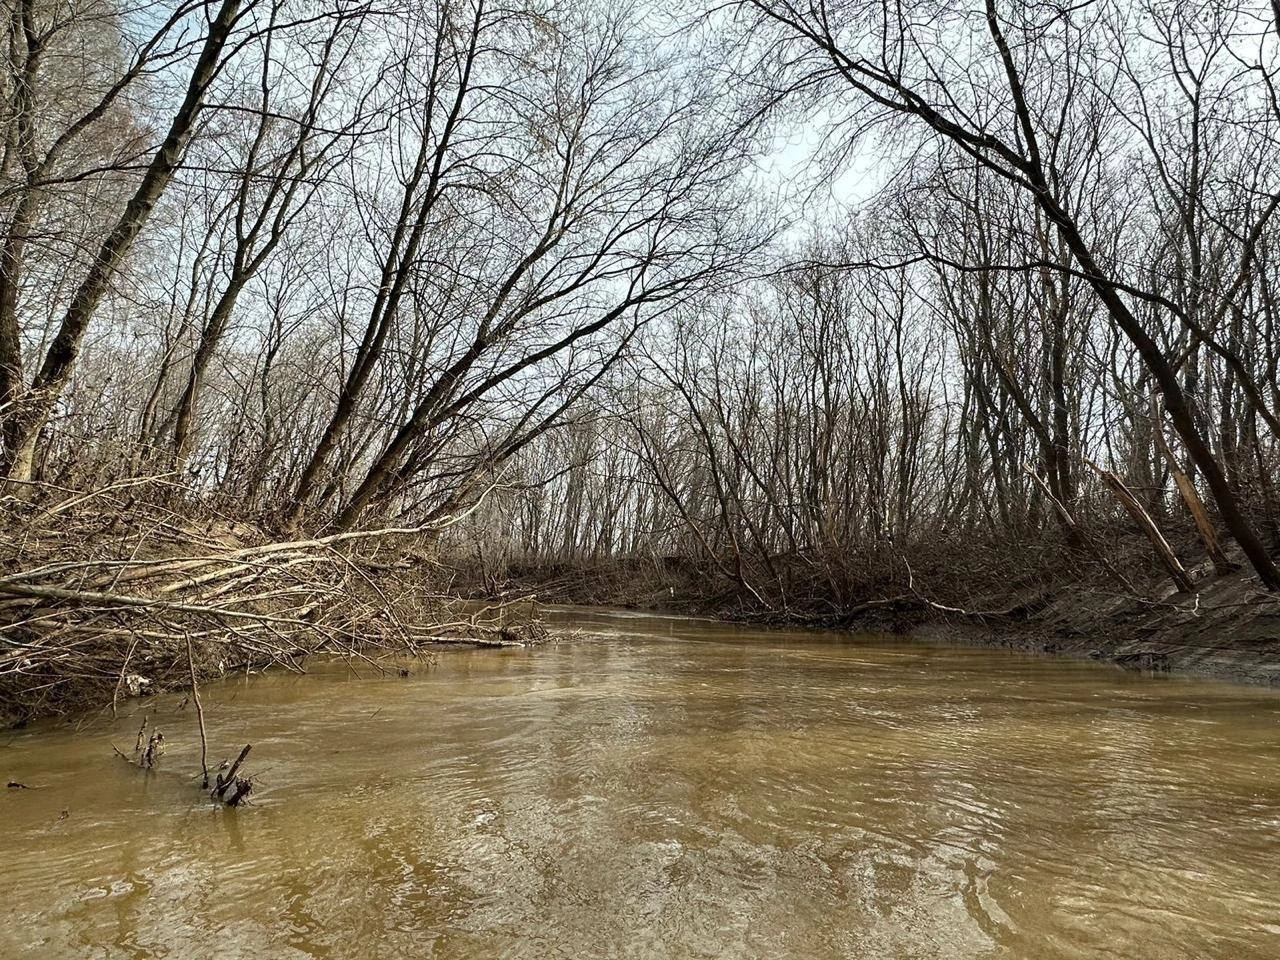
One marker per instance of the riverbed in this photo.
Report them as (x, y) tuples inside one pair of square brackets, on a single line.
[(664, 787)]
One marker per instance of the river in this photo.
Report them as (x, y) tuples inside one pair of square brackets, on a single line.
[(665, 787)]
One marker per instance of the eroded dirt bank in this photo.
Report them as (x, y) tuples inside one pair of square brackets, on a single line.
[(1228, 629)]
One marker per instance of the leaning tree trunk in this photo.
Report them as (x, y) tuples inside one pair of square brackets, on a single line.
[(60, 359)]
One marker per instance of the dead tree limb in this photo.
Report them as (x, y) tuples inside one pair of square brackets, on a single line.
[(1165, 552)]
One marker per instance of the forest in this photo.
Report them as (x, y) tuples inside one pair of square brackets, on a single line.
[(814, 304)]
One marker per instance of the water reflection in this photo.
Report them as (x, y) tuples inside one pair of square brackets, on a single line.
[(677, 789)]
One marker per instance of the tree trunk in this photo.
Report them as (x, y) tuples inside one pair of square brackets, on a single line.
[(60, 359)]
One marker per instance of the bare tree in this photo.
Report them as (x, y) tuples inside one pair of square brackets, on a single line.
[(1024, 111), (33, 407)]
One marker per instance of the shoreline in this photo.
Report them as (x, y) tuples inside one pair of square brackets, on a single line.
[(1229, 629), (1230, 641)]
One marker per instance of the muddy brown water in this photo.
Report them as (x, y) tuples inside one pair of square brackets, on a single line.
[(666, 788)]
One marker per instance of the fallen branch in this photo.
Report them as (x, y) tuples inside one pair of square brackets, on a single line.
[(232, 789), (473, 641)]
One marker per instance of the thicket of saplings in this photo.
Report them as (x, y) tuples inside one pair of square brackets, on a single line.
[(834, 446), (296, 298), (1043, 351)]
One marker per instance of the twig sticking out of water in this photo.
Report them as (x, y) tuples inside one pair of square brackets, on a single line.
[(204, 737), (154, 748), (147, 750), (232, 789)]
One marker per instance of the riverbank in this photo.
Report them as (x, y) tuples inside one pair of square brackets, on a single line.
[(141, 587), (1228, 629)]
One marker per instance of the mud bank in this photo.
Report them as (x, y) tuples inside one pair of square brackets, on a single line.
[(1228, 629)]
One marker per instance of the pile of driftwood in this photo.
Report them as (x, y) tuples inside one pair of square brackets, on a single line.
[(138, 588), (135, 588), (117, 588)]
